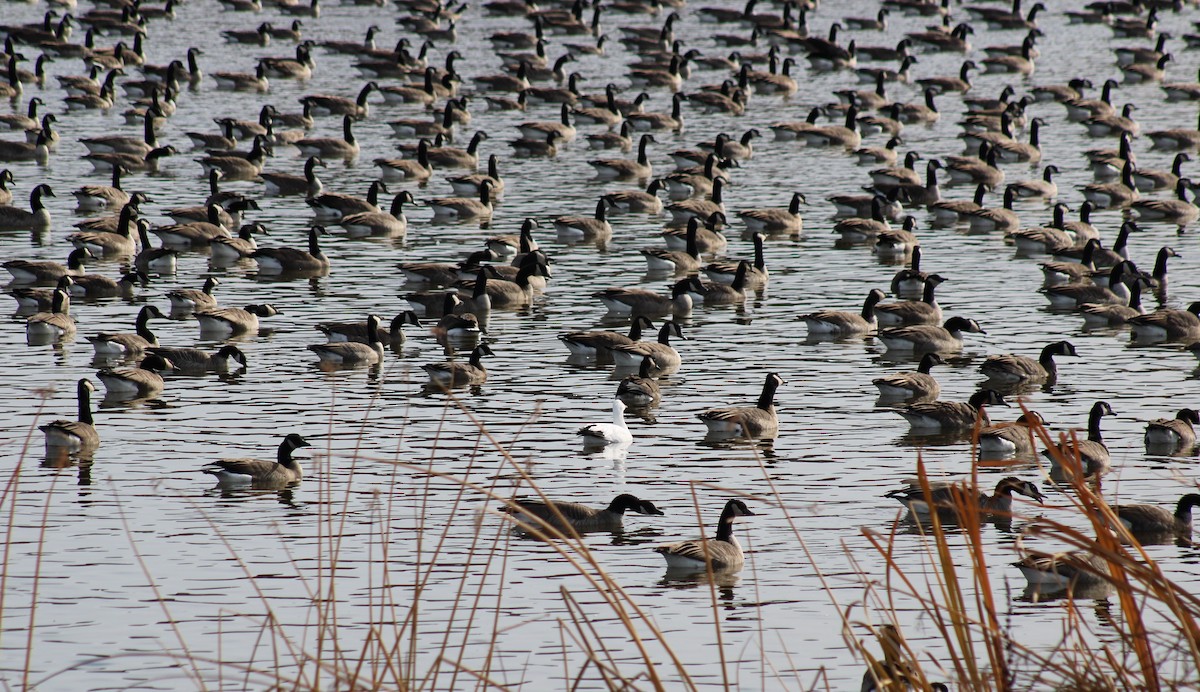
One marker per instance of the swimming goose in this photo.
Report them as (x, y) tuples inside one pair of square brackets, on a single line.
[(538, 130), (1114, 125), (26, 121), (1075, 295), (244, 81), (353, 352), (979, 170), (840, 323), (442, 273), (615, 434), (120, 241), (392, 223), (639, 301), (6, 197), (911, 280), (890, 176), (124, 344), (722, 553), (280, 260), (1004, 440), (1038, 188), (924, 311), (1176, 433), (285, 470), (1150, 179), (231, 321), (332, 206), (142, 382), (1116, 194), (569, 518), (1060, 571), (708, 238), (300, 67), (846, 135), (122, 144), (47, 271), (1115, 314), (55, 324), (760, 421), (191, 299), (345, 148), (895, 243), (948, 498), (322, 104), (1166, 324), (418, 169), (718, 293), (453, 157), (637, 201), (600, 343), (39, 299), (1152, 519), (104, 163), (1179, 211), (467, 185), (1139, 73), (75, 435), (930, 337), (260, 36), (233, 249), (686, 261), (1091, 454), (506, 293), (455, 373), (309, 185), (623, 169), (774, 220), (1013, 369), (918, 195), (952, 416), (463, 208), (791, 131), (756, 274), (595, 227), (99, 197), (640, 390), (194, 234), (198, 360), (919, 385), (453, 325), (643, 122), (239, 166), (698, 207), (664, 356), (36, 218), (860, 230), (358, 331)]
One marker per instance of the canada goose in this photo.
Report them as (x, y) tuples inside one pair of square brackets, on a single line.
[(75, 435), (54, 325), (118, 242), (896, 243), (775, 220), (121, 144), (300, 67), (569, 518), (1179, 211), (285, 470), (953, 41), (918, 195), (322, 104), (948, 498), (952, 416), (194, 234), (358, 331), (467, 185), (1060, 571), (600, 343), (1115, 314), (664, 356), (287, 184), (392, 223), (1103, 257), (623, 169), (587, 228), (539, 130), (975, 171), (1091, 454), (756, 274), (280, 260), (260, 36), (1150, 179), (891, 176), (879, 155), (1166, 324), (1038, 188), (36, 218), (924, 311), (505, 82), (924, 113), (225, 249), (6, 197), (232, 321), (1143, 520), (441, 273), (759, 421), (1139, 73), (144, 381), (642, 122), (26, 121), (104, 163), (1114, 125), (696, 207), (453, 157), (191, 299), (456, 373), (846, 135), (722, 553), (353, 352), (639, 301), (235, 166), (46, 271), (839, 323), (451, 325), (930, 337), (961, 83), (911, 280), (919, 385), (637, 201), (332, 206), (198, 360), (507, 293), (1176, 433), (345, 148), (124, 344), (463, 208), (98, 197), (1075, 295), (40, 299), (418, 169), (244, 81), (1013, 369), (686, 261), (1004, 440), (614, 434), (640, 390), (860, 230)]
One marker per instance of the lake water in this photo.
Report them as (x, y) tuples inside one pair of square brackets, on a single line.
[(135, 557)]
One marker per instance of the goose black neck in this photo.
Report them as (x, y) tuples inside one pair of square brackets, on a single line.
[(84, 394)]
